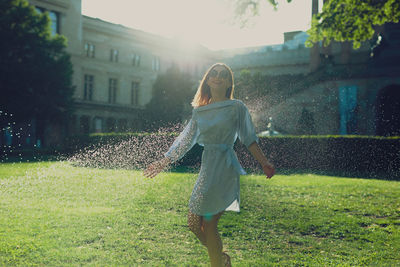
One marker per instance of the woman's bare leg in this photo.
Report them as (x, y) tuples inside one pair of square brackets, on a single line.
[(213, 239), (196, 225)]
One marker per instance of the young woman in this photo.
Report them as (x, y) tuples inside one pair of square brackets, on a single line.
[(217, 121)]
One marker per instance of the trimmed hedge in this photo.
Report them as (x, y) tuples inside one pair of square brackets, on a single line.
[(369, 155), (372, 156)]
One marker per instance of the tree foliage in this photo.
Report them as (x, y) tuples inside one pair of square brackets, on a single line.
[(172, 93), (340, 20), (306, 123), (249, 8), (35, 69), (352, 20)]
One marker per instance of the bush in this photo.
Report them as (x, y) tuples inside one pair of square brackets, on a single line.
[(349, 154), (375, 156)]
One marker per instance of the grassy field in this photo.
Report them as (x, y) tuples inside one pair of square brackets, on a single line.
[(54, 214)]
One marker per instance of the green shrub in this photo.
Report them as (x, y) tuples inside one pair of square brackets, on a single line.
[(351, 154), (371, 155)]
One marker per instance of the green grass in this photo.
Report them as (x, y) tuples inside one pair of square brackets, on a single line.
[(54, 214)]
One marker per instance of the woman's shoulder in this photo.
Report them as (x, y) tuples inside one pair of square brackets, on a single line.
[(240, 104), (216, 105)]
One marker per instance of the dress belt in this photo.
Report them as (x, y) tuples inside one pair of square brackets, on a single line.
[(231, 158)]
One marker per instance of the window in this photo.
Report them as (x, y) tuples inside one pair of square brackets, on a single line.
[(88, 87), (135, 93), (111, 124), (54, 18), (122, 125), (39, 10), (114, 55), (84, 124), (135, 60), (98, 124), (112, 91), (89, 50), (55, 22), (156, 63)]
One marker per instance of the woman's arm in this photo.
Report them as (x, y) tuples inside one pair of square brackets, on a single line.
[(182, 144), (156, 167), (257, 153)]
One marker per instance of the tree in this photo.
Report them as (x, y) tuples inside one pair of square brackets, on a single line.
[(340, 20), (172, 92), (35, 69), (306, 123)]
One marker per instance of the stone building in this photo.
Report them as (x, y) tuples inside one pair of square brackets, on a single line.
[(115, 67), (291, 57), (350, 91)]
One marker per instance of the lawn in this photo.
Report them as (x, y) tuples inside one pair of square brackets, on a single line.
[(55, 214)]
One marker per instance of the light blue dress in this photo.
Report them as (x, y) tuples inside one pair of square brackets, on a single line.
[(216, 127)]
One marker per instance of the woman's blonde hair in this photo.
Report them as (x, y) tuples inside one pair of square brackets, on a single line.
[(203, 94)]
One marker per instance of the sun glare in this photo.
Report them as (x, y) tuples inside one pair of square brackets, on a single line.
[(208, 22)]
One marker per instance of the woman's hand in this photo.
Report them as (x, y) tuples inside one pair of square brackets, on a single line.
[(156, 167), (257, 153), (269, 170)]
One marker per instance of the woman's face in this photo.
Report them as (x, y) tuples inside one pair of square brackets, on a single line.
[(219, 78)]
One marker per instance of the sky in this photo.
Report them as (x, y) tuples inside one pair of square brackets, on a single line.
[(207, 22)]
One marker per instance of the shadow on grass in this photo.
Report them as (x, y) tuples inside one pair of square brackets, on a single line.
[(343, 174), (340, 174), (30, 159)]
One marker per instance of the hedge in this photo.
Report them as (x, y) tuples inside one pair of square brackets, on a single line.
[(371, 156), (367, 155)]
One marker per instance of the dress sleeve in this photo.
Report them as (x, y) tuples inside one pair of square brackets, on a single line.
[(246, 131), (184, 142)]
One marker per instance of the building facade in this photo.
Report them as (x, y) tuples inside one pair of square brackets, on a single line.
[(351, 91), (115, 67)]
